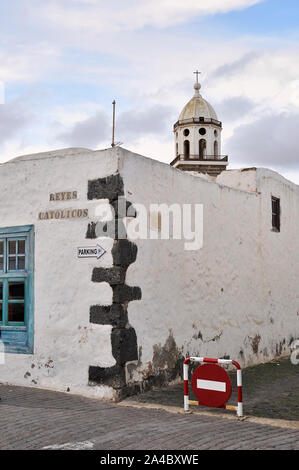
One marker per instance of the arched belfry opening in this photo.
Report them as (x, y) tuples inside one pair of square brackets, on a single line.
[(186, 149), (202, 149), (216, 150)]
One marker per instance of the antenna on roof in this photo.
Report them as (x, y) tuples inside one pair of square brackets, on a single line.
[(113, 124), (113, 143)]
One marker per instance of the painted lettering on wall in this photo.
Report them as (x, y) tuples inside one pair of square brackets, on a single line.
[(63, 196), (63, 214)]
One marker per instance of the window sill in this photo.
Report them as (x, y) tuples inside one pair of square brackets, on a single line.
[(14, 349), (15, 339), (12, 328)]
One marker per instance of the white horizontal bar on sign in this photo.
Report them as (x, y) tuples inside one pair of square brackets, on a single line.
[(196, 359), (211, 385)]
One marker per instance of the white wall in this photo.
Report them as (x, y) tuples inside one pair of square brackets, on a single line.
[(237, 296), (65, 343)]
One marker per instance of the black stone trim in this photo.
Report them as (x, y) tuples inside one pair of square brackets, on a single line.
[(114, 376), (124, 293), (113, 229), (110, 188), (113, 276), (115, 315), (124, 345), (91, 231), (124, 253), (123, 208)]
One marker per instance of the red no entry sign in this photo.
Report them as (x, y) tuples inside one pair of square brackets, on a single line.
[(211, 385)]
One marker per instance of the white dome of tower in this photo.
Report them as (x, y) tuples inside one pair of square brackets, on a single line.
[(197, 107)]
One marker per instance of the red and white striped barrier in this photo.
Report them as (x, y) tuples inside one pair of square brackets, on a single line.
[(187, 402)]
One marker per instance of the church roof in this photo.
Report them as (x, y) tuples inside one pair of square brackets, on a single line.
[(197, 107)]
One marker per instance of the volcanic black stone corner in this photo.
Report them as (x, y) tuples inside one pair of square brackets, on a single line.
[(123, 208), (115, 315), (124, 253), (114, 228), (113, 276), (110, 187), (124, 293), (91, 231), (124, 345), (114, 376)]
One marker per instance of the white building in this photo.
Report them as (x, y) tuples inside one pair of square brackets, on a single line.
[(101, 316)]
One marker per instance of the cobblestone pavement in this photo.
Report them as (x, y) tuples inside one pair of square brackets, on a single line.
[(38, 419), (270, 390)]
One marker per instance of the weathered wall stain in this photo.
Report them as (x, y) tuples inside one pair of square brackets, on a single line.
[(165, 366), (280, 347), (168, 357), (255, 341), (199, 335), (49, 364)]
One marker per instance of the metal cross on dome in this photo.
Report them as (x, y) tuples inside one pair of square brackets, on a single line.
[(197, 73)]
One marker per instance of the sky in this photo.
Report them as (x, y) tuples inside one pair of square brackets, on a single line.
[(63, 62)]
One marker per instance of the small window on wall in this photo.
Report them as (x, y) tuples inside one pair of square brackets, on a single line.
[(16, 289), (275, 214)]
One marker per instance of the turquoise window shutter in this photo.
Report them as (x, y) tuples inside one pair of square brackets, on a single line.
[(17, 289)]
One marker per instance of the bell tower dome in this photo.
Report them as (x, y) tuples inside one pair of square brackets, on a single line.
[(197, 136)]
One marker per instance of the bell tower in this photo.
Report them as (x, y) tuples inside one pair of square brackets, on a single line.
[(197, 136)]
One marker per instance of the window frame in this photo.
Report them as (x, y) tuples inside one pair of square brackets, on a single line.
[(276, 215), (18, 336), (5, 301)]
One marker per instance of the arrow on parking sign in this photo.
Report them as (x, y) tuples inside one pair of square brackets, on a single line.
[(90, 251)]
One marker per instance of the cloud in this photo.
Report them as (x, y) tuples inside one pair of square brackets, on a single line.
[(27, 62), (271, 141), (88, 132), (238, 65), (154, 120), (269, 80), (101, 15), (232, 109), (131, 125), (14, 116), (83, 52)]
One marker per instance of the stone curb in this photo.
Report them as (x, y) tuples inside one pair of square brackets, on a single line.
[(279, 423)]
